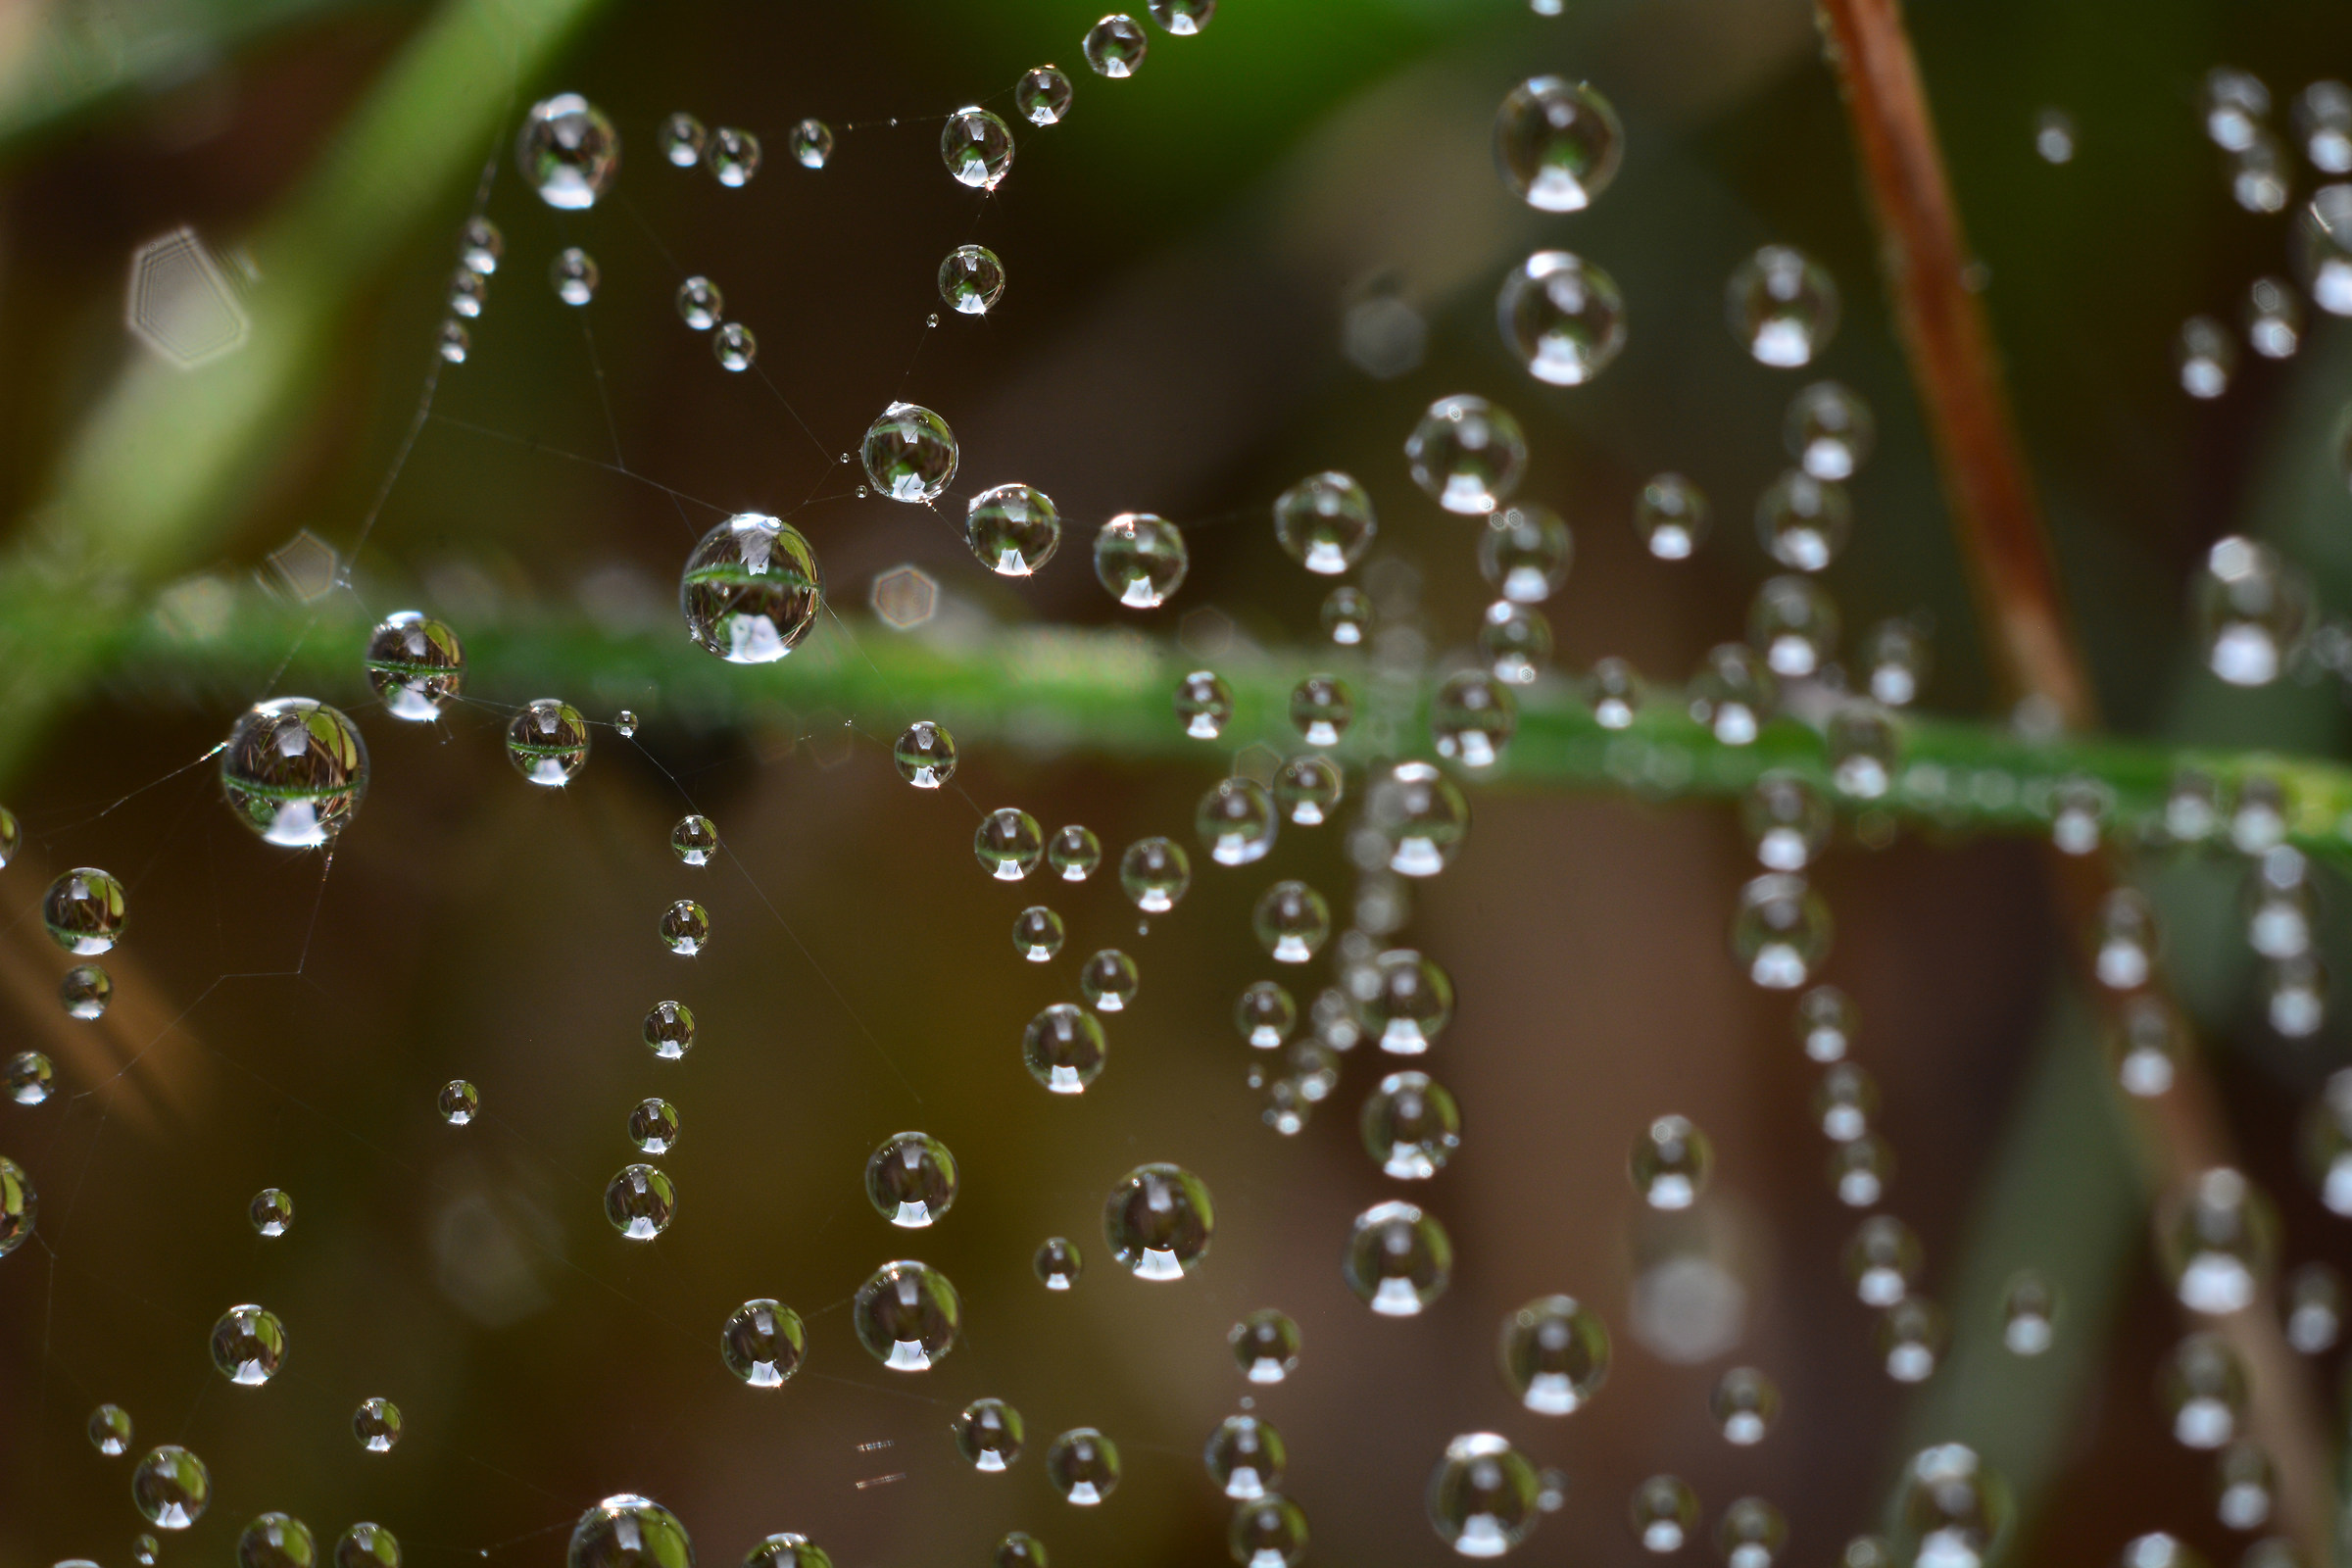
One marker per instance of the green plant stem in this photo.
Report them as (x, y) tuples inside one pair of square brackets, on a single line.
[(156, 473), (1045, 691)]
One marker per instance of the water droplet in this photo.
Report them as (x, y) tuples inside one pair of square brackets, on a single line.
[(1183, 17), (1781, 931), (1420, 816), (170, 1488), (1671, 517), (1308, 789), (640, 1201), (2313, 1308), (1410, 1125), (695, 840), (109, 1428), (1013, 528), (1895, 654), (2203, 1388), (1861, 1170), (574, 276), (1557, 143), (680, 139), (1467, 453), (2245, 1487), (627, 1531), (989, 1432), (12, 835), (2324, 122), (907, 1315), (1082, 1464), (294, 770), (1563, 316), (669, 1030), (277, 1541), (1265, 1014), (1793, 624), (1482, 1497), (1140, 559), (1671, 1162), (1405, 1000), (1325, 523), (1059, 1263), (1064, 1047), (2233, 104), (468, 291), (1042, 95), (762, 1342), (733, 156), (2273, 319), (1789, 824), (1472, 717), (1347, 615), (1245, 1458), (454, 344), (1663, 1511), (909, 454), (415, 664), (376, 1424), (1019, 1550), (27, 1079), (1750, 1534), (1825, 1021), (1159, 1221), (1734, 694), (2251, 607), (1204, 702), (1154, 874), (458, 1101), (1037, 933), (1862, 742), (2029, 1313), (812, 143), (1843, 1102), (1882, 1260), (1115, 46), (1009, 844), (2324, 248), (1398, 1258), (1830, 431), (654, 1126), (1783, 306), (2205, 355), (2054, 137), (1524, 553), (84, 912), (783, 1550), (2220, 1241), (568, 151), (145, 1549), (1074, 852), (971, 280), (1613, 690), (977, 147), (911, 1180), (1804, 521), (685, 928), (271, 1211), (1744, 1404), (1265, 1345), (1555, 1354), (1292, 921), (1268, 1532), (734, 346), (548, 742), (1321, 710), (249, 1345)]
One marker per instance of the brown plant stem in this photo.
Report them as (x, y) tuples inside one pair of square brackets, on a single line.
[(1999, 524)]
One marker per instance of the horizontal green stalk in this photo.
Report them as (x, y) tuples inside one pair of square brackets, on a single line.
[(1045, 690)]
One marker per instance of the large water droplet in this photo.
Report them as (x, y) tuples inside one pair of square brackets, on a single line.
[(1042, 95), (568, 151), (909, 453), (1063, 1049), (1783, 306), (627, 1531), (1398, 1258), (907, 1315), (249, 1345), (910, 1179), (1482, 1497), (415, 664), (1555, 1354), (1115, 46), (1265, 1345), (1083, 1465), (1159, 1221), (1562, 316), (977, 147), (1325, 521), (1557, 143), (640, 1202), (547, 741), (1467, 454)]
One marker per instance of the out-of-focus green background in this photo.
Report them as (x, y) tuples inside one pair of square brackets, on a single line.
[(1185, 255)]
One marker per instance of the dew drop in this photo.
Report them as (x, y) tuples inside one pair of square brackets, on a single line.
[(685, 928), (2252, 608), (627, 1531), (971, 280), (1781, 306), (27, 1078), (1663, 1512), (2205, 356), (1472, 716), (1830, 431), (249, 1346), (1013, 529), (1563, 316), (1155, 872), (911, 1180), (640, 1201), (1203, 704), (1158, 1222), (1671, 517), (1059, 1263), (1398, 1259), (1612, 689), (681, 139), (294, 770), (109, 1428), (1897, 658), (1265, 1014), (2220, 1241), (1750, 1534), (1557, 143), (376, 1424), (1265, 1345), (1307, 790), (1042, 95), (695, 840), (1671, 1162), (459, 1102), (1882, 1260), (1082, 1464), (574, 276), (654, 1126), (1860, 1170), (1074, 852), (1555, 1354), (989, 1433), (2029, 1313), (1019, 1550), (1734, 694), (170, 1488), (762, 1342), (1268, 1532), (1744, 1404), (1788, 822), (1803, 523), (2054, 137), (1482, 1497), (1410, 1126), (1009, 844), (1063, 1049), (1037, 933), (415, 665), (1325, 523), (811, 143), (1115, 46), (732, 156), (85, 911), (909, 454), (2273, 319), (1467, 454), (977, 147), (1347, 615), (1421, 818), (548, 742), (271, 1211), (568, 152)]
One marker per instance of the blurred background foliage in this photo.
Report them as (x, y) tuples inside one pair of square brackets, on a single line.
[(1185, 255)]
